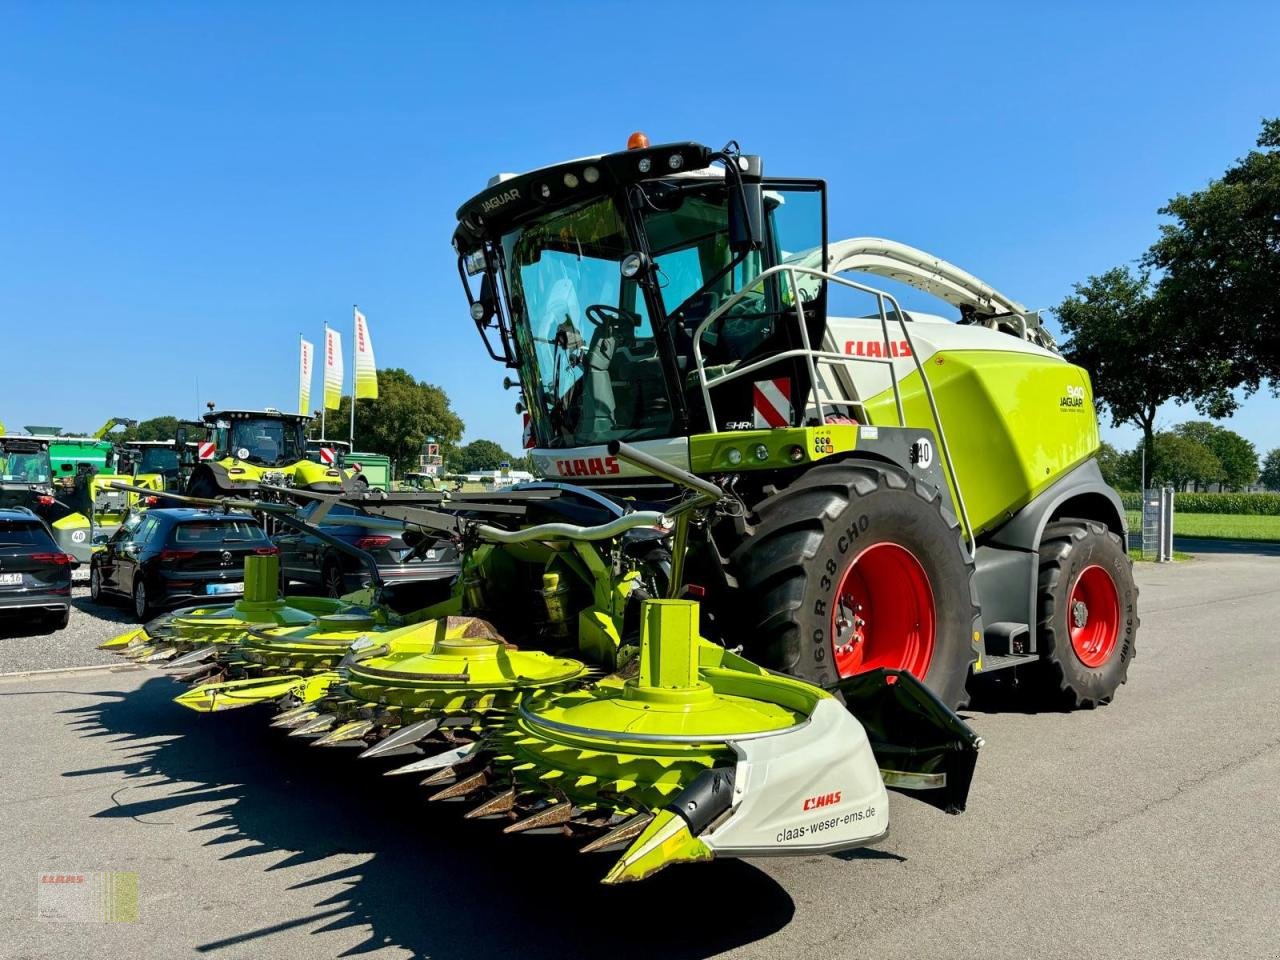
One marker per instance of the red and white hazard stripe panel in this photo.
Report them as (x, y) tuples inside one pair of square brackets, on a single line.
[(207, 449), (327, 455), (772, 403)]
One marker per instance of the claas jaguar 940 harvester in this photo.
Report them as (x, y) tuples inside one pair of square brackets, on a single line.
[(907, 491)]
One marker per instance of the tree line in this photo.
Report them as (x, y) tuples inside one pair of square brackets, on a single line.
[(1194, 321), (1197, 455), (407, 411)]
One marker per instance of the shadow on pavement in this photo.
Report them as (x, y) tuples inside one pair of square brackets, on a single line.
[(433, 883), (115, 612)]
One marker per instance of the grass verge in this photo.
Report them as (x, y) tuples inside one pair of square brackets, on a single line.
[(1218, 526)]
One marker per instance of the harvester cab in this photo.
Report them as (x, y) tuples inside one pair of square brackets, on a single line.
[(908, 492), (26, 477), (247, 450)]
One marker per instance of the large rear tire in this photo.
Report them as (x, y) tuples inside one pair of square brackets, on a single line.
[(853, 567), (1087, 610)]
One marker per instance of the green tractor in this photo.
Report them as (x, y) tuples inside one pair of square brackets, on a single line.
[(247, 450), (907, 492), (26, 474), (74, 497)]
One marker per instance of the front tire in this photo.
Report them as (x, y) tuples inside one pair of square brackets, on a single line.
[(855, 567), (95, 584), (1088, 611), (141, 602)]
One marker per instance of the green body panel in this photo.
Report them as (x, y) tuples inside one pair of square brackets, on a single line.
[(374, 467), (66, 453), (1014, 423)]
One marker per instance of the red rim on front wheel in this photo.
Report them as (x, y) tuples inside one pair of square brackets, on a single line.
[(1093, 616), (884, 614)]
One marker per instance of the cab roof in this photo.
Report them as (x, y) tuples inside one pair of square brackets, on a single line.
[(510, 199), (215, 415)]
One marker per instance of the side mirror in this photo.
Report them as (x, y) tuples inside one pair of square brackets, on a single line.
[(100, 539), (746, 205), (746, 218), (180, 437)]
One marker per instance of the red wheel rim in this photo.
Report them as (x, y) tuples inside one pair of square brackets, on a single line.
[(884, 614), (1093, 616)]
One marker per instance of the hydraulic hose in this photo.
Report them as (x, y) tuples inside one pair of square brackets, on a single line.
[(572, 531)]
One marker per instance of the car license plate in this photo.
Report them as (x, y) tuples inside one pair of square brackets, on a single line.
[(10, 579), (216, 588)]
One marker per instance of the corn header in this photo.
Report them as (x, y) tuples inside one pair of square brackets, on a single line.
[(564, 683)]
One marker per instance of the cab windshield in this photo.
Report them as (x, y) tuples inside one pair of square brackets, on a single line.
[(584, 330), (162, 460), (266, 441), (24, 466), (601, 364)]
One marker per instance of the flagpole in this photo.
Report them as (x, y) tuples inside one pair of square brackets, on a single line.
[(324, 405), (355, 359)]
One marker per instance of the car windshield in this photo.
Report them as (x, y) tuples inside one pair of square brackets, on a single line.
[(585, 330), (23, 533), (213, 532), (24, 466), (266, 440)]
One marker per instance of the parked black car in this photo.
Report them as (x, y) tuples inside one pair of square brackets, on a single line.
[(35, 576), (309, 560), (176, 556)]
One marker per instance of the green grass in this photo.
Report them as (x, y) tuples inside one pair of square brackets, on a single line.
[(1136, 554), (1218, 526)]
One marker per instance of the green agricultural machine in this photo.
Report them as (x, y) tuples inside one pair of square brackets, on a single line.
[(249, 450), (73, 494), (776, 548), (26, 475), (908, 492)]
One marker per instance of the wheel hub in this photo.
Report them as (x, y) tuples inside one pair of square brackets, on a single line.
[(1094, 623), (884, 613), (1079, 613)]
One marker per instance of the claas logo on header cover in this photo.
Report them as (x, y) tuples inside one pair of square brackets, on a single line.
[(824, 800)]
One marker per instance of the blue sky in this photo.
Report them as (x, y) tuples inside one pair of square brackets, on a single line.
[(185, 187)]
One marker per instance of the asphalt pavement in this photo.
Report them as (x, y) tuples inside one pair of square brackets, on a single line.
[(1146, 828)]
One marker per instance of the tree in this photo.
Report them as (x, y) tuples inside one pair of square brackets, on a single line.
[(479, 455), (1121, 470), (1237, 455), (1181, 461), (157, 428), (1137, 357), (1221, 264), (1270, 475), (406, 412)]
